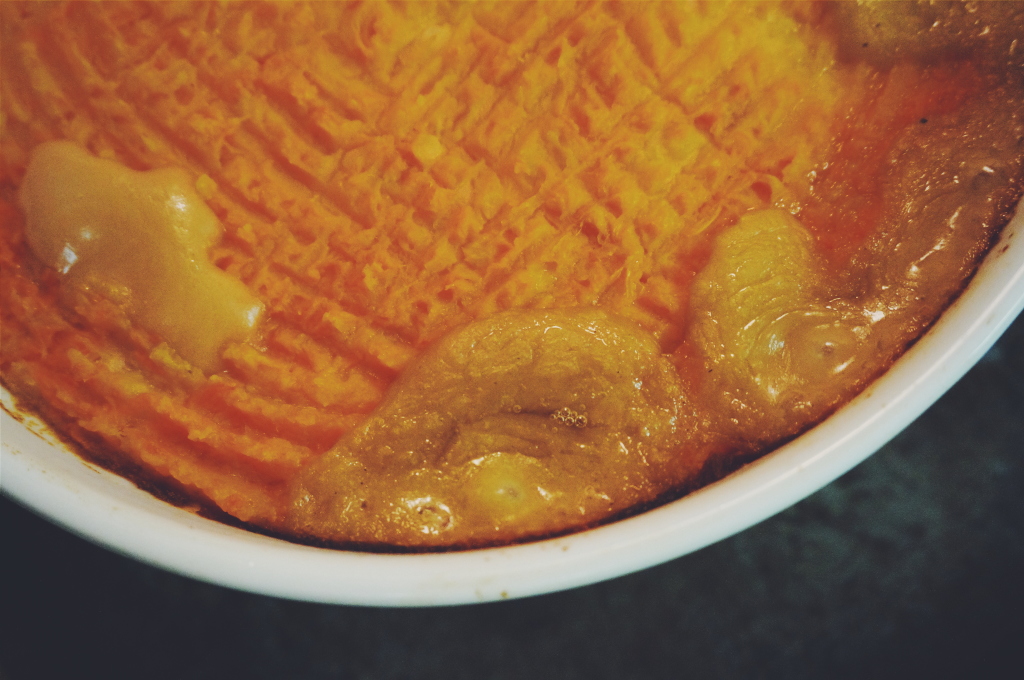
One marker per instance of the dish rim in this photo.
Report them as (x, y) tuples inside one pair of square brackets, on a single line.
[(37, 472)]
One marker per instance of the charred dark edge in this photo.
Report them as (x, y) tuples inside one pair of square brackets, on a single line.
[(93, 450)]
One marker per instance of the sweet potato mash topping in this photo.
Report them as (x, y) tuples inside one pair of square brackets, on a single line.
[(671, 234), (139, 238)]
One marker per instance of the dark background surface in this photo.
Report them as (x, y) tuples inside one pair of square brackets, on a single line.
[(911, 565)]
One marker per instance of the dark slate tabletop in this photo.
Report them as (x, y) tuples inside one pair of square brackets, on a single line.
[(911, 565)]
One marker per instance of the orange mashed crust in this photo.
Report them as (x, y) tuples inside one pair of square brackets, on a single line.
[(385, 173)]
